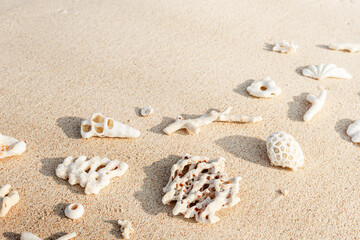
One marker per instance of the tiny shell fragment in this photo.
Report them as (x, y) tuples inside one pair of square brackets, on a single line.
[(146, 111)]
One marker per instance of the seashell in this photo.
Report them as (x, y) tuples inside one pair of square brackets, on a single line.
[(74, 211), (265, 88), (30, 236), (284, 151), (146, 111), (7, 199), (351, 47), (93, 174), (10, 146), (200, 188), (354, 131), (285, 47), (101, 126), (322, 71), (126, 228), (317, 104)]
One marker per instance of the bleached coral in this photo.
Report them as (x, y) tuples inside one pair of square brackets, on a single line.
[(265, 88), (93, 174), (7, 199), (317, 104), (284, 151), (74, 211), (322, 71), (101, 126), (351, 47), (193, 125), (285, 47), (354, 131), (126, 228), (200, 188), (10, 146), (30, 236)]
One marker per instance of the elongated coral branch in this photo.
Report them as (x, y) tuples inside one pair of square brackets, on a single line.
[(317, 104), (193, 125)]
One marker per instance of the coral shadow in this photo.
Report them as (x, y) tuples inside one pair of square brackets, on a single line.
[(248, 148), (116, 230), (323, 46), (298, 107), (55, 236), (241, 88), (341, 126), (137, 111), (298, 70), (59, 209), (269, 47), (11, 235), (48, 169), (70, 126)]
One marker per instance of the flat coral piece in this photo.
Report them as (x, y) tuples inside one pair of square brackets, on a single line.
[(285, 47), (30, 236), (322, 71), (284, 151), (101, 126), (354, 131), (264, 88), (317, 104), (7, 199), (93, 174), (126, 228), (193, 125), (10, 146), (351, 47), (200, 188)]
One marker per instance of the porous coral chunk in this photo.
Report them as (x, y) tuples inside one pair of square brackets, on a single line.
[(200, 188), (126, 228)]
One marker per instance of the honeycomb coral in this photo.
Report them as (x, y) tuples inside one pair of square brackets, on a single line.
[(284, 151)]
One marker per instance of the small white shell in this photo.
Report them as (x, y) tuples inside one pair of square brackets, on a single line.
[(322, 71), (74, 211), (285, 47), (146, 111), (7, 199), (265, 88), (354, 131), (126, 228), (351, 47), (10, 146)]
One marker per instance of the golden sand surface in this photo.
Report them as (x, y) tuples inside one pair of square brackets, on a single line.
[(63, 60)]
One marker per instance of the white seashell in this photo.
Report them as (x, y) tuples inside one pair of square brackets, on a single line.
[(74, 211), (126, 228), (285, 47), (93, 174), (146, 111), (322, 71), (101, 126), (317, 104), (10, 146), (265, 88), (354, 131), (284, 151), (351, 47), (30, 236), (7, 199), (200, 188)]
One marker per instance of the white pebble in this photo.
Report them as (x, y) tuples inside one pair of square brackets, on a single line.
[(146, 111), (74, 211)]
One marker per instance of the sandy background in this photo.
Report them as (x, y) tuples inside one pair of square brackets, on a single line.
[(61, 61)]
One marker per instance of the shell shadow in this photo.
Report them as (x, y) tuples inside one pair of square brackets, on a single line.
[(55, 236), (248, 148), (116, 230), (298, 70), (59, 209), (11, 235), (268, 47), (151, 193), (322, 46), (70, 126), (137, 111), (298, 107), (341, 126), (48, 168), (241, 88)]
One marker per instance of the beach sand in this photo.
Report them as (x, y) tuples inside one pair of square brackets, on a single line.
[(62, 61)]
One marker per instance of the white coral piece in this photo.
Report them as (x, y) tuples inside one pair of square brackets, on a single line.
[(10, 146), (74, 211), (265, 88), (322, 71), (101, 126), (126, 228), (30, 236), (351, 47), (317, 104), (86, 173), (7, 199), (285, 47), (354, 131), (193, 125), (284, 151), (200, 188), (146, 111)]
